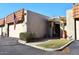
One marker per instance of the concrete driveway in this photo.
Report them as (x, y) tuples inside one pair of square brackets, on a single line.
[(9, 46), (74, 48)]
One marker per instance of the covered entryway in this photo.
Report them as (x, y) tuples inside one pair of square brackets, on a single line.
[(56, 33), (54, 29)]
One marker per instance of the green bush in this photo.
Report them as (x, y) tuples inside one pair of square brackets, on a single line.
[(26, 36)]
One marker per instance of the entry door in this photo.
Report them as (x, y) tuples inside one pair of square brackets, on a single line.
[(77, 30), (56, 32)]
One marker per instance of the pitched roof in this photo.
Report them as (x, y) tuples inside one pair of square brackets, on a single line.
[(2, 22)]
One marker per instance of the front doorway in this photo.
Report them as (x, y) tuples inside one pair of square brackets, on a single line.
[(56, 31)]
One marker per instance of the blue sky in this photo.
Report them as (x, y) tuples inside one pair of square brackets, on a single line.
[(49, 9)]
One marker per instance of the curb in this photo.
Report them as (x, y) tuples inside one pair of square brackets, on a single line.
[(45, 49)]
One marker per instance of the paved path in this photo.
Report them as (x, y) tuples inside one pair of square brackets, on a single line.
[(9, 46)]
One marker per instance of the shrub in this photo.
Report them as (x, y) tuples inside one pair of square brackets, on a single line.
[(26, 36)]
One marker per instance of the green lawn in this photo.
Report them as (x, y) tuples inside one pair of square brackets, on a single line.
[(54, 43)]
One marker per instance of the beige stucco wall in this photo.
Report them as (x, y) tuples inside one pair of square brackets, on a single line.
[(77, 29), (5, 29), (70, 24), (37, 24), (0, 30), (15, 33), (21, 27), (33, 22)]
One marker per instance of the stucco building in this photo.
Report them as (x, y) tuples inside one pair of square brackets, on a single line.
[(72, 18), (32, 22), (27, 21)]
